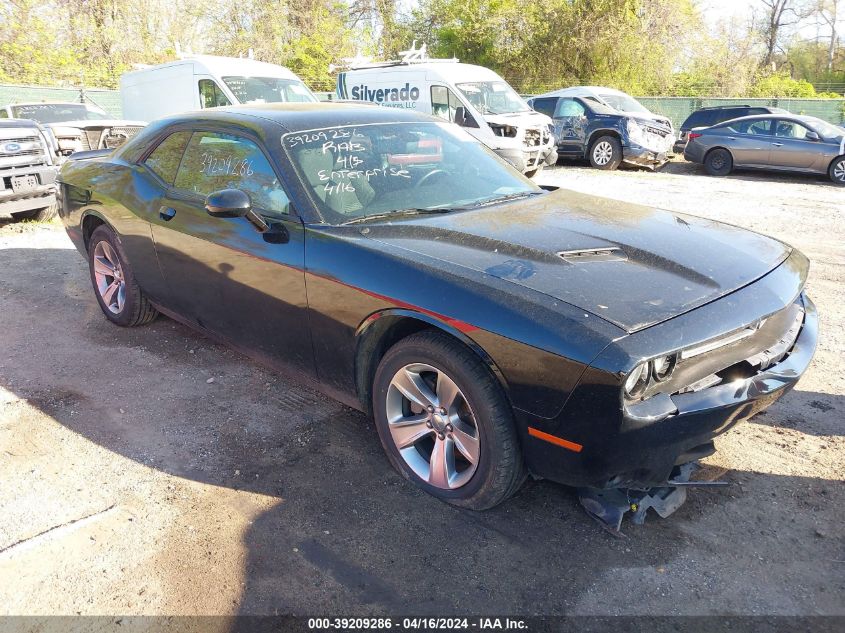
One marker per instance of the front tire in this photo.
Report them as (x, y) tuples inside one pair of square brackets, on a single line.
[(117, 292), (445, 422), (44, 214), (606, 153), (719, 162), (836, 171)]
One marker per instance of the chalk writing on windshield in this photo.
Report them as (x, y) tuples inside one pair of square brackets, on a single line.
[(346, 159)]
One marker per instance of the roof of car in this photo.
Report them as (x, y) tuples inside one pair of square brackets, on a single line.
[(295, 117), (582, 91)]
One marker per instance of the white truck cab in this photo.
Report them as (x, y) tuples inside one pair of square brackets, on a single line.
[(195, 82), (473, 97)]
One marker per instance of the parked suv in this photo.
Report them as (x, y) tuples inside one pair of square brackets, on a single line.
[(27, 171), (586, 127), (705, 117)]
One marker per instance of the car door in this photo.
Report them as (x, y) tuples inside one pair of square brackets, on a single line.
[(791, 149), (223, 274), (750, 141), (571, 119)]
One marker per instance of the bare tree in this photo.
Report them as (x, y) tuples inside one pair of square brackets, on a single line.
[(828, 12), (778, 16)]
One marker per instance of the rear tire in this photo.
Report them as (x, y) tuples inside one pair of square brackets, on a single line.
[(836, 171), (719, 162), (117, 292), (606, 153), (478, 422), (44, 214)]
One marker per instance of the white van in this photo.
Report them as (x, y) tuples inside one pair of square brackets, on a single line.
[(471, 96), (206, 81)]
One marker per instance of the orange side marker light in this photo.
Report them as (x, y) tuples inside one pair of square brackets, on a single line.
[(554, 439)]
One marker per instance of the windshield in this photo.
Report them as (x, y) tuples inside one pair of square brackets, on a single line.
[(268, 90), (825, 129), (493, 97), (364, 171), (624, 103), (57, 112)]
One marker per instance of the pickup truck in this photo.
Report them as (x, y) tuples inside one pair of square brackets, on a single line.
[(27, 171)]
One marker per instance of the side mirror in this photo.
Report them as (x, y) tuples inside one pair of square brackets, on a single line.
[(228, 203), (464, 118), (812, 136)]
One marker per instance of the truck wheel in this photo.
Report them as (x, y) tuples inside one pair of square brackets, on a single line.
[(445, 422), (718, 162), (606, 153), (836, 171), (535, 171), (44, 214), (117, 292)]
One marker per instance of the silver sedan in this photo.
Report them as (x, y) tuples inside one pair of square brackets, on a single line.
[(773, 142)]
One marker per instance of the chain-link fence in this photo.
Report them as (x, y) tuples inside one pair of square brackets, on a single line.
[(679, 108), (108, 100)]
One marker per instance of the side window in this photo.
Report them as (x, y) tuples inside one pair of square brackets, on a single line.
[(569, 107), (790, 129), (164, 159), (762, 127), (545, 105), (444, 103), (210, 94), (4, 114), (215, 161)]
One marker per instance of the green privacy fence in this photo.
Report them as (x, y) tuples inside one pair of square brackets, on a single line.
[(108, 100), (676, 108), (679, 108)]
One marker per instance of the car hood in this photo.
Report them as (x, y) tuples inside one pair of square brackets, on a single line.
[(529, 116), (633, 266)]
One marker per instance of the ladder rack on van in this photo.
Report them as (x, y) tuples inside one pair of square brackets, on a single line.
[(413, 55)]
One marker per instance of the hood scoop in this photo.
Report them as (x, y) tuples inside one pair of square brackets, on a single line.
[(584, 255)]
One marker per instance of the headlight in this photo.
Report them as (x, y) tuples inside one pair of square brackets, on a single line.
[(663, 366), (637, 380), (635, 132)]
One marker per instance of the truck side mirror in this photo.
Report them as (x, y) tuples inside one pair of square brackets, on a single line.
[(464, 118)]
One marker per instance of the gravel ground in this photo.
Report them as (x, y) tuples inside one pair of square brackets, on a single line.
[(133, 484)]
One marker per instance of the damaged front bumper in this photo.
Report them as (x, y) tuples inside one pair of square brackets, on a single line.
[(644, 157), (641, 449), (529, 160)]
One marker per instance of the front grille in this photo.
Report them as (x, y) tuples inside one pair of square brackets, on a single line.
[(21, 148), (768, 342), (533, 137)]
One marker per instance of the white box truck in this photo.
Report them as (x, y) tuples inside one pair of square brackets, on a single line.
[(195, 82), (473, 97)]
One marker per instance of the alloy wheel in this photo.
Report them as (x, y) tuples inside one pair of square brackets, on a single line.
[(109, 278), (839, 171), (602, 153), (432, 426)]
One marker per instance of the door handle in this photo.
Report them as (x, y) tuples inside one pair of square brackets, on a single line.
[(777, 144), (166, 213)]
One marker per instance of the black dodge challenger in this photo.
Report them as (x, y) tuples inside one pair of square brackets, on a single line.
[(491, 327)]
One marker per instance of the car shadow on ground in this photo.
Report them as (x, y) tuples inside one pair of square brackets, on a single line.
[(348, 534)]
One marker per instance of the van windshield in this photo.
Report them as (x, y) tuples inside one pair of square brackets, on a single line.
[(361, 173), (268, 90), (493, 97)]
